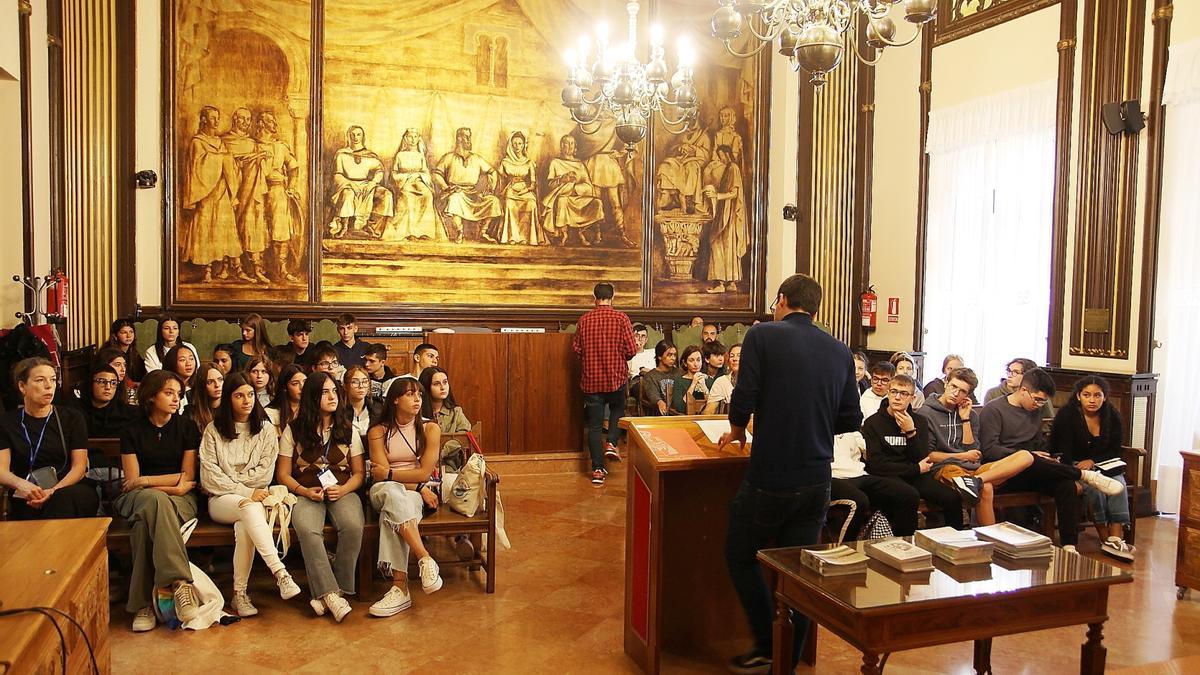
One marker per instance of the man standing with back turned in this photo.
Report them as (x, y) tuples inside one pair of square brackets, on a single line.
[(799, 383), (604, 341)]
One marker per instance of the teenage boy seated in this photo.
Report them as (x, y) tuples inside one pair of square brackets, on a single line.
[(326, 360), (1013, 374), (898, 500), (872, 399), (297, 344), (658, 384), (643, 360), (708, 333), (350, 350), (1013, 423), (381, 376), (424, 356), (713, 354), (898, 442)]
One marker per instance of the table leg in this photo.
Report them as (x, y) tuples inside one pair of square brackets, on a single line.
[(870, 664), (809, 657), (983, 656), (783, 638), (1093, 652)]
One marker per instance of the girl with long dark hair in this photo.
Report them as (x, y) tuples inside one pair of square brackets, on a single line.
[(286, 404), (122, 336), (166, 338), (205, 397), (254, 342)]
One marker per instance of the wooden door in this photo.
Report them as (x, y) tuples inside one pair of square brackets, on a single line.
[(476, 364), (545, 406)]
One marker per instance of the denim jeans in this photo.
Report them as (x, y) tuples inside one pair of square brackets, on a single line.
[(761, 519), (594, 405)]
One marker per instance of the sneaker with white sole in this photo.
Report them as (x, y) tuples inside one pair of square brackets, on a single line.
[(750, 663), (969, 488), (337, 606), (287, 587), (1117, 548), (431, 580), (318, 606), (598, 477), (144, 620), (185, 603), (393, 602), (1102, 483), (241, 604), (610, 453)]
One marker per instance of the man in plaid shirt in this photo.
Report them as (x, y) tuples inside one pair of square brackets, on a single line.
[(604, 341)]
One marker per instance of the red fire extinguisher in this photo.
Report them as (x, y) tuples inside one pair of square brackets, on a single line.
[(56, 295), (870, 307)]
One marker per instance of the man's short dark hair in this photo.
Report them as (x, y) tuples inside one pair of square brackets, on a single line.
[(345, 319), (324, 351), (422, 348), (1026, 364), (859, 356), (640, 327), (965, 375), (714, 348), (883, 368), (603, 291), (299, 326), (376, 349), (802, 292), (1039, 381)]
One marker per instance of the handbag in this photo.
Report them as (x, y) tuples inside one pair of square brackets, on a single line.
[(279, 503), (876, 527), (466, 494)]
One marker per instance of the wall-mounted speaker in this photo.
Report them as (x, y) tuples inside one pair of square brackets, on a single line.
[(1123, 117)]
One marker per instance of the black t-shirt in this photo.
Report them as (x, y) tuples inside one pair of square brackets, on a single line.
[(159, 450), (351, 356), (107, 422), (51, 451)]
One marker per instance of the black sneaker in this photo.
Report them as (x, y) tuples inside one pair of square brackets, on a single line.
[(598, 477), (750, 663), (969, 488)]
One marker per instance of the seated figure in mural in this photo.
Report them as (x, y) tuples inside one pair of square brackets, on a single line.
[(729, 235), (521, 223), (281, 204), (678, 177), (571, 205), (458, 175), (248, 202), (210, 235), (608, 177), (415, 216), (360, 201), (729, 135)]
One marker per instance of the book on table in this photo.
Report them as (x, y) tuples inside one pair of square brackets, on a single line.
[(900, 554), (1016, 542), (835, 561), (960, 547)]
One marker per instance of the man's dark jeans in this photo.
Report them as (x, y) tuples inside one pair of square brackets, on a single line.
[(761, 519), (594, 405)]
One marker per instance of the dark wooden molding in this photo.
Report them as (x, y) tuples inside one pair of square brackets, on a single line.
[(861, 238), (170, 254), (1155, 134), (1062, 178), (316, 118), (54, 48), (804, 175), (125, 229), (926, 91), (28, 234), (951, 27), (758, 250)]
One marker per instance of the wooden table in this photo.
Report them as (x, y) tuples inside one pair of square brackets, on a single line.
[(883, 611), (61, 564), (678, 595)]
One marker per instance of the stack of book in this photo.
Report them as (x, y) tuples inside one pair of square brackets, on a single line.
[(901, 555), (835, 561), (1015, 542), (960, 547)]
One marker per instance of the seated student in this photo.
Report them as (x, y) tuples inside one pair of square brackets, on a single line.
[(326, 360), (364, 410), (937, 385), (709, 333), (222, 356), (261, 377), (643, 360), (43, 450), (166, 339), (254, 342), (696, 321), (104, 414), (158, 458), (658, 384), (1089, 430), (440, 406), (424, 356), (206, 397), (860, 372), (1015, 372), (321, 461), (955, 450), (375, 361), (285, 405), (118, 361), (297, 344), (182, 361), (350, 350), (690, 392), (713, 354), (1014, 423), (873, 399), (122, 336), (897, 499), (404, 455), (237, 462), (898, 442), (722, 389), (906, 365)]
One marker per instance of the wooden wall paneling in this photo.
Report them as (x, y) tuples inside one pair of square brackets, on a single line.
[(316, 119), (860, 245), (1068, 20), (400, 349), (54, 56), (125, 226), (545, 405), (477, 364), (28, 237), (960, 18), (926, 91)]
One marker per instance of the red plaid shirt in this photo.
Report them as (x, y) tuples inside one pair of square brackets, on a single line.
[(604, 340)]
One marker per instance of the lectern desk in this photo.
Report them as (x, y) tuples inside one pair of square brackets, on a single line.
[(678, 596)]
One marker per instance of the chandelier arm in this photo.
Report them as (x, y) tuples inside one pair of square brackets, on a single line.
[(907, 42), (852, 45), (761, 46), (774, 29), (667, 122)]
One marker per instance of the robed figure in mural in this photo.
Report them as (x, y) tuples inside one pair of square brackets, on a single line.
[(521, 223), (463, 200), (415, 216), (608, 173), (729, 235), (210, 182), (571, 206), (679, 175), (728, 135), (281, 206), (248, 208), (360, 201)]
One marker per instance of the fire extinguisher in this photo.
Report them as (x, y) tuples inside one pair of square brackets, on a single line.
[(56, 295), (870, 307)]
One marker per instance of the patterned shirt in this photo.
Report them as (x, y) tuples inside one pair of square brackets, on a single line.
[(604, 341)]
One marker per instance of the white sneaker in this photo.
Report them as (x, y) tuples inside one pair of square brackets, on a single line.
[(431, 580), (287, 588), (318, 607), (144, 620), (185, 603), (1117, 548), (337, 606), (241, 604), (1102, 483), (393, 602)]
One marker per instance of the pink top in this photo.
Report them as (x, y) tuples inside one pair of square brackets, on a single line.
[(402, 447)]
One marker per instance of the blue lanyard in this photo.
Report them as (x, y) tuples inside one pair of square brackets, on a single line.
[(328, 444), (34, 449)]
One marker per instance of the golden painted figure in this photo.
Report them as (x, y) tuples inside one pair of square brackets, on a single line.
[(520, 225), (608, 177), (247, 210), (678, 177), (281, 203), (458, 175), (729, 235), (572, 205), (415, 216), (359, 201), (728, 134), (210, 180)]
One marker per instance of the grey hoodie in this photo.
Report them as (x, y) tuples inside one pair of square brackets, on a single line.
[(947, 430)]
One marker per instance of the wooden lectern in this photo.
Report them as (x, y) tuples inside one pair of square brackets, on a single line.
[(678, 595)]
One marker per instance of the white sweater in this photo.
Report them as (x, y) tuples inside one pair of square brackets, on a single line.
[(239, 466)]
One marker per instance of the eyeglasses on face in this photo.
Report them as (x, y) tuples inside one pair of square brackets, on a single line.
[(774, 303), (102, 382), (1015, 371), (899, 393), (328, 364), (881, 380), (360, 382)]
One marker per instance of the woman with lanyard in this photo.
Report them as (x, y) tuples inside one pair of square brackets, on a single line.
[(321, 461), (404, 455), (43, 451)]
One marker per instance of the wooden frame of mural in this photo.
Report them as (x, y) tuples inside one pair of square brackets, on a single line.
[(960, 18), (344, 178)]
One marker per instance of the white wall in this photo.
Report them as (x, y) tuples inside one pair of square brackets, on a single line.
[(149, 203), (781, 181)]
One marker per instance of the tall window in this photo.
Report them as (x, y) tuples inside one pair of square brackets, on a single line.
[(987, 250)]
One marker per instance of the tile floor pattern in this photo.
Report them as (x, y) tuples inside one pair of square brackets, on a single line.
[(558, 609)]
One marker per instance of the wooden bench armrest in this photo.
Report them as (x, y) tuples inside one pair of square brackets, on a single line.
[(1128, 453)]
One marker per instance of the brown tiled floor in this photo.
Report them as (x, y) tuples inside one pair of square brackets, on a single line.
[(557, 609)]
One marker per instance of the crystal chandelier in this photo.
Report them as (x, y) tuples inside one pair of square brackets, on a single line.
[(610, 82), (813, 34)]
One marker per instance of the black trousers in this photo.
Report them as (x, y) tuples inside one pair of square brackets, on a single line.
[(74, 501), (898, 501), (942, 496), (1048, 477)]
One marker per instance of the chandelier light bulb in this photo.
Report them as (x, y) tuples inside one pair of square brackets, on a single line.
[(920, 11)]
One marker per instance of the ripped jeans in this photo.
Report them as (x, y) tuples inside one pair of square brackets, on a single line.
[(396, 505)]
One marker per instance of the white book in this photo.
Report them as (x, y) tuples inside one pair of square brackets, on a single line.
[(714, 429), (1009, 535)]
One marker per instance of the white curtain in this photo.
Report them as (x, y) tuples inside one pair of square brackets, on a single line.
[(1177, 313), (987, 250)]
